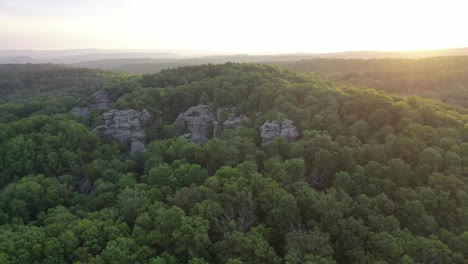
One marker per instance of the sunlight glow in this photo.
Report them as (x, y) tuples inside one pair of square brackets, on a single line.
[(234, 26)]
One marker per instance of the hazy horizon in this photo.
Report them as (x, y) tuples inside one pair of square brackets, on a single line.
[(253, 27), (168, 50)]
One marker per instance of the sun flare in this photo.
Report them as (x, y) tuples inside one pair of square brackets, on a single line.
[(240, 26)]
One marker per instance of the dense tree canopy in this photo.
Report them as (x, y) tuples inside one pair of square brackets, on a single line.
[(373, 178), (441, 78)]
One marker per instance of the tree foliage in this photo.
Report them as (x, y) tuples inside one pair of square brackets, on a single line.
[(374, 177)]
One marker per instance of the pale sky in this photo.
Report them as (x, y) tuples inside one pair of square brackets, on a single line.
[(247, 26)]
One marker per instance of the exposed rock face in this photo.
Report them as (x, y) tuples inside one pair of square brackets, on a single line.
[(271, 130), (217, 129), (197, 121), (289, 130), (125, 126), (137, 148), (202, 121), (101, 101)]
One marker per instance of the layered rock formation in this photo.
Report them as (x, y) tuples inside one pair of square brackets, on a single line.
[(198, 121), (271, 130), (125, 127), (289, 130), (203, 121), (101, 100)]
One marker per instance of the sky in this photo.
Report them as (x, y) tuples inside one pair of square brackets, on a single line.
[(241, 26)]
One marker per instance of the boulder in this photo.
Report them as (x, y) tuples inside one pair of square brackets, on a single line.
[(137, 148), (109, 117), (198, 122), (271, 130), (125, 127), (289, 130), (101, 100), (126, 119), (217, 129)]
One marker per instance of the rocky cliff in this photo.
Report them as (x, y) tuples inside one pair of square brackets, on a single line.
[(271, 130), (203, 121), (125, 127)]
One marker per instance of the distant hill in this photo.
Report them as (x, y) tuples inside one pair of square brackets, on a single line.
[(153, 61), (75, 56), (146, 66), (443, 78), (11, 68), (115, 63), (26, 81)]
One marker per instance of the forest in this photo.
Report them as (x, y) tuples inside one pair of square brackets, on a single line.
[(441, 78), (377, 173)]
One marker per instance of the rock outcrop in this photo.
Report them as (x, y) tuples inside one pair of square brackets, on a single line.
[(289, 130), (101, 100), (125, 127), (198, 122), (203, 121), (271, 130), (137, 148)]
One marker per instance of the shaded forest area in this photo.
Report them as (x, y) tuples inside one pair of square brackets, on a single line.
[(373, 178), (442, 78)]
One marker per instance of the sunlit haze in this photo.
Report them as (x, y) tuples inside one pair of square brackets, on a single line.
[(245, 26)]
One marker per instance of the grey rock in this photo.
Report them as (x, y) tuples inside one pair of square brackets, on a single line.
[(289, 130), (138, 135), (101, 100), (217, 130), (125, 127), (127, 120), (137, 148), (197, 120), (271, 130), (109, 117), (145, 116)]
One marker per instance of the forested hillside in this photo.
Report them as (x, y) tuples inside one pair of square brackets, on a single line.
[(442, 78), (244, 163)]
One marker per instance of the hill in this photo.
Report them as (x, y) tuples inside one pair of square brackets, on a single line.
[(153, 61), (442, 78), (231, 163), (146, 66), (80, 55), (16, 68)]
